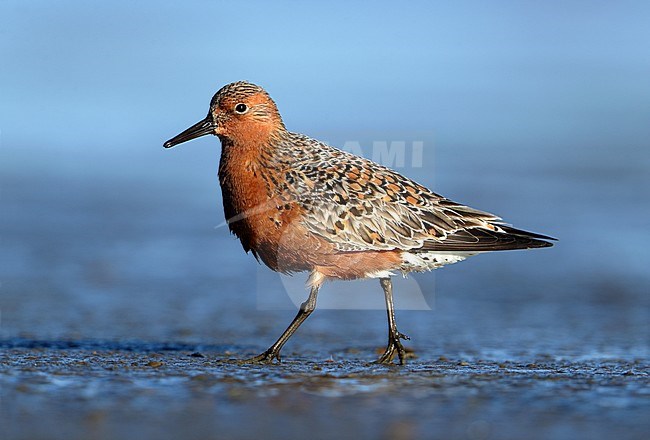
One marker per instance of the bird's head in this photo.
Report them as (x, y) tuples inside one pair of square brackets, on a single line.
[(240, 112)]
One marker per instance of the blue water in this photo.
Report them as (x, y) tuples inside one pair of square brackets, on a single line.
[(139, 238), (535, 111)]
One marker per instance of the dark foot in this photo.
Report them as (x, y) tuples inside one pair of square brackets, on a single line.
[(394, 346), (264, 358)]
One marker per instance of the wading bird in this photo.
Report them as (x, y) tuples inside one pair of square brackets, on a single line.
[(301, 205)]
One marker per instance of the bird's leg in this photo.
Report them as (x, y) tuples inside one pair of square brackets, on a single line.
[(306, 309), (394, 343)]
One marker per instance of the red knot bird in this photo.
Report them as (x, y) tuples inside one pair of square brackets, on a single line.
[(301, 205)]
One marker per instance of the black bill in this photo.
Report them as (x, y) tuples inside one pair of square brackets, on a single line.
[(199, 129)]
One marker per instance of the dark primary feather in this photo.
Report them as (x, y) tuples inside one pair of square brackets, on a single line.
[(479, 239)]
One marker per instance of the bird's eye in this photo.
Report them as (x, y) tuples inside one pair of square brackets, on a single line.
[(241, 108)]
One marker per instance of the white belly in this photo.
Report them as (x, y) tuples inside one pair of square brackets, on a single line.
[(419, 262)]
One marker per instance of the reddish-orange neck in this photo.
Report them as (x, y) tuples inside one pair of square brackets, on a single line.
[(247, 192)]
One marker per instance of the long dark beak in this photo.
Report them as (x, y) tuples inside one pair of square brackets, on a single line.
[(199, 129)]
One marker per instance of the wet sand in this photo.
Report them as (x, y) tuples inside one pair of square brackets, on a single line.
[(82, 389)]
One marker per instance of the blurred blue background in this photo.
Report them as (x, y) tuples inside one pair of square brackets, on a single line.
[(537, 111)]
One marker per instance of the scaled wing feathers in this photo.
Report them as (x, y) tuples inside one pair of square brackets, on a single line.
[(359, 205)]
